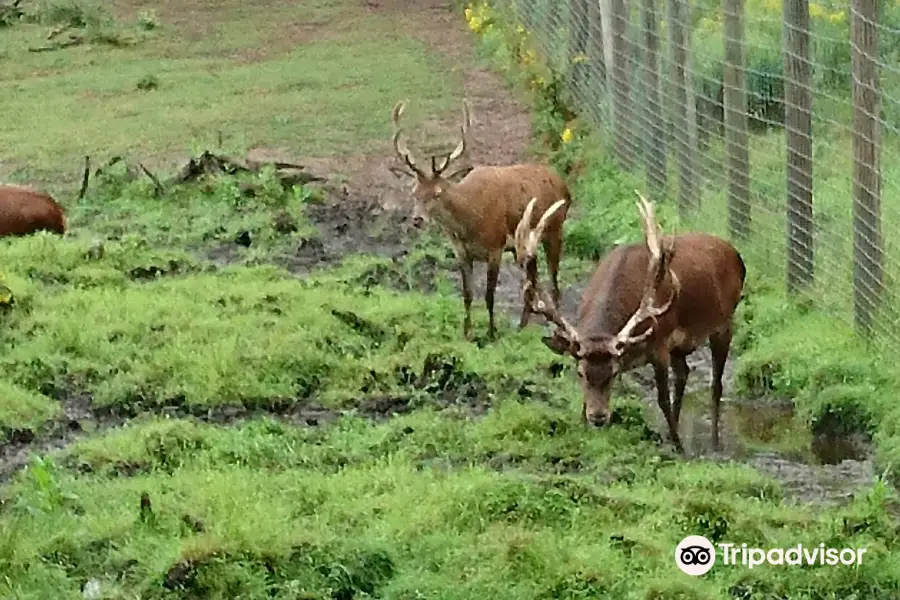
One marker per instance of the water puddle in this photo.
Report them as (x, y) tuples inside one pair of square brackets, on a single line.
[(771, 437)]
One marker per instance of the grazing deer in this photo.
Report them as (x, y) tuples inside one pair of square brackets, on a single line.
[(24, 211), (646, 303), (479, 209)]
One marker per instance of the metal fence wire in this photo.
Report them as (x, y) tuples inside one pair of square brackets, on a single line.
[(769, 121)]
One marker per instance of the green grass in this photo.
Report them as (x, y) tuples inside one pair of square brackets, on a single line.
[(229, 70), (259, 401)]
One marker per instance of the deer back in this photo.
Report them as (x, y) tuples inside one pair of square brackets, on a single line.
[(539, 181), (484, 208), (24, 211), (711, 275)]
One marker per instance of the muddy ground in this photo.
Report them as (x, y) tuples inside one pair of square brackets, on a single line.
[(368, 212)]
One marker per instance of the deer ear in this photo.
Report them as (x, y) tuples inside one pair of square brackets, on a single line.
[(459, 174), (557, 343)]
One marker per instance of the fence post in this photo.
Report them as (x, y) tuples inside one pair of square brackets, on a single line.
[(621, 84), (597, 66), (867, 243), (578, 40), (736, 135), (655, 144), (798, 131), (679, 28)]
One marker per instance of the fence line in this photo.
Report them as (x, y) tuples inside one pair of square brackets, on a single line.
[(765, 120)]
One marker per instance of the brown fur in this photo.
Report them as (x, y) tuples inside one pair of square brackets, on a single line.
[(25, 211), (710, 274), (480, 213)]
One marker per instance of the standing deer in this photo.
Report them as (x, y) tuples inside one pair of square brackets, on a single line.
[(479, 210), (622, 323), (24, 211)]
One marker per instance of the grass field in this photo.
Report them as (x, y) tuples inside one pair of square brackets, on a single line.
[(196, 402)]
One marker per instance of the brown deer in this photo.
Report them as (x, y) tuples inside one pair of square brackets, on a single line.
[(646, 303), (479, 210), (24, 211)]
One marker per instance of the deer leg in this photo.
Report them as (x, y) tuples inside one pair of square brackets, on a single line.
[(493, 273), (553, 249), (465, 271), (661, 375), (719, 345), (681, 371)]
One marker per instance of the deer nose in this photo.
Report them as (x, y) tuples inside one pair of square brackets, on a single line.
[(599, 419), (418, 221)]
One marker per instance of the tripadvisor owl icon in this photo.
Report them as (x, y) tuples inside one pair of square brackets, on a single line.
[(695, 555)]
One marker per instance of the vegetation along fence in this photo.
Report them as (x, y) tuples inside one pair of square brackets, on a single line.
[(771, 121)]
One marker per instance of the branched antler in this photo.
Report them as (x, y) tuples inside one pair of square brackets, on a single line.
[(527, 240), (406, 156), (657, 267), (400, 145)]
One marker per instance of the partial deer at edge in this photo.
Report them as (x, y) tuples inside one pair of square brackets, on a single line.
[(24, 210)]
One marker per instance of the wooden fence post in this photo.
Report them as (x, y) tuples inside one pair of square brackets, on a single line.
[(655, 144), (736, 134), (578, 42), (679, 28), (867, 242), (798, 131), (623, 125)]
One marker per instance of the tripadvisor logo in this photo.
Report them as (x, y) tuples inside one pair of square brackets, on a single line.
[(696, 555)]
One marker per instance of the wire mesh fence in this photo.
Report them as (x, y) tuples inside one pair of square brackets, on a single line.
[(772, 122)]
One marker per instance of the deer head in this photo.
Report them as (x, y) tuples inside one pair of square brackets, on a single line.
[(599, 358), (431, 184)]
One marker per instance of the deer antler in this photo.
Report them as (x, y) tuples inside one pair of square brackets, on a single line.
[(539, 301), (526, 238), (399, 145), (657, 267), (461, 146)]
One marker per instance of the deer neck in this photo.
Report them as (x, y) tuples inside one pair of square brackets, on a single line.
[(450, 212)]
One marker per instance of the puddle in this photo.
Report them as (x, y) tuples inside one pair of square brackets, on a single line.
[(773, 440), (769, 436), (751, 427)]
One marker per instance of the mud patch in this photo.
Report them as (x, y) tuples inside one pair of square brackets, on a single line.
[(442, 383), (351, 226), (76, 421)]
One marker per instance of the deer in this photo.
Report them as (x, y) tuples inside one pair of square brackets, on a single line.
[(24, 211), (479, 209), (654, 302)]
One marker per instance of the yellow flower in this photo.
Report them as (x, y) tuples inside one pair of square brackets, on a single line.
[(837, 18), (6, 295), (468, 12), (579, 58), (816, 10), (566, 136)]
